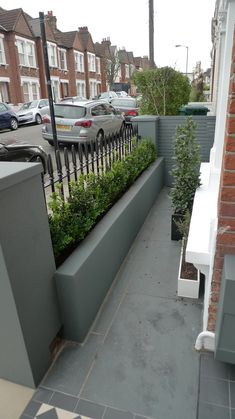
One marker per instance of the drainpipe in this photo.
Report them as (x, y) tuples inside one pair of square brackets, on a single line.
[(205, 340)]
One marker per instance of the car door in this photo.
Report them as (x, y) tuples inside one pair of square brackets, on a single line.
[(115, 119), (43, 106), (5, 116), (101, 120)]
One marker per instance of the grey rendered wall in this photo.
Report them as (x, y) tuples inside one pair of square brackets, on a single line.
[(162, 130), (29, 318), (85, 277)]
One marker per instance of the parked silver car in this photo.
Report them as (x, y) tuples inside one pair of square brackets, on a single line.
[(82, 122), (32, 112), (108, 96)]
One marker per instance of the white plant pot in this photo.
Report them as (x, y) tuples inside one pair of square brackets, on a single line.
[(187, 287)]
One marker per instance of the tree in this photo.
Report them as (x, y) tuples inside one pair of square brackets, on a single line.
[(112, 67), (164, 90), (196, 94)]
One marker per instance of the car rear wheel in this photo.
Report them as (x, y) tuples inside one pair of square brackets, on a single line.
[(100, 137), (13, 124), (38, 119)]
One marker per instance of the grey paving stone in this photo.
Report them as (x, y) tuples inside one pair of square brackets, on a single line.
[(215, 391), (32, 408), (71, 367), (43, 395), (232, 372), (87, 408), (117, 414), (210, 411), (210, 367), (147, 363), (232, 414), (64, 401), (232, 394), (155, 268)]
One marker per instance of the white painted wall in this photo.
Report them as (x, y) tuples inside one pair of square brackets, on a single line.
[(203, 228)]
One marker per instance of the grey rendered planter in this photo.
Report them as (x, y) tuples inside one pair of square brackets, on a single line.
[(86, 276)]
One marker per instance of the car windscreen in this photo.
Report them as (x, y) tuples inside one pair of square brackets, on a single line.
[(69, 111), (126, 103), (29, 105)]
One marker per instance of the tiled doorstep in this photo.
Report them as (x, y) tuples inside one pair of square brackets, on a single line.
[(13, 399), (216, 389), (44, 400)]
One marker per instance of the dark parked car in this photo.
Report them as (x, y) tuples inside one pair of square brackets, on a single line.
[(127, 106), (12, 150), (8, 118)]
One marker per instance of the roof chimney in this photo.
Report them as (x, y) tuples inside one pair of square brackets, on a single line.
[(83, 29), (52, 20)]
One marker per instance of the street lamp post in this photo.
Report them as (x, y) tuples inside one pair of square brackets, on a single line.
[(184, 46)]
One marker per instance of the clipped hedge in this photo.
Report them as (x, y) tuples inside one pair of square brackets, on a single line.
[(91, 197)]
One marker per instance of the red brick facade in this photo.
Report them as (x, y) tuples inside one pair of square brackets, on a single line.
[(225, 241), (16, 25)]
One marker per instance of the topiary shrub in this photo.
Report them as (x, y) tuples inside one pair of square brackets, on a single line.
[(91, 197)]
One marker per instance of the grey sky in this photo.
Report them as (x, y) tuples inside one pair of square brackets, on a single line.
[(184, 22)]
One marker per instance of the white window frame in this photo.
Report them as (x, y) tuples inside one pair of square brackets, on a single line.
[(127, 71), (91, 62), (52, 54), (63, 52), (79, 61), (2, 51), (98, 68), (55, 85), (30, 81), (27, 58), (81, 87), (93, 87)]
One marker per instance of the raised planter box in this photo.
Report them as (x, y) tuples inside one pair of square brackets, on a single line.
[(85, 277), (188, 287)]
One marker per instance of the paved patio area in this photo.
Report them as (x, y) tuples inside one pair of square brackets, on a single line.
[(138, 360)]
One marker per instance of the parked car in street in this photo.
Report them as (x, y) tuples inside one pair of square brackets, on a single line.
[(73, 99), (108, 96), (8, 118), (82, 122), (12, 150), (32, 112), (128, 107), (122, 93)]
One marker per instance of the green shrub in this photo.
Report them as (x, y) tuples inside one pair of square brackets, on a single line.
[(185, 172), (92, 196)]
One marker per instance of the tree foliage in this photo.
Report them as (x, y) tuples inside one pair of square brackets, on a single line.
[(112, 66), (164, 90), (185, 172)]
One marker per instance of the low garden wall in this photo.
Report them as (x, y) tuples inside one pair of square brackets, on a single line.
[(85, 277)]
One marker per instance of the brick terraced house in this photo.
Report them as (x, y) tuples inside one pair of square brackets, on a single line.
[(77, 64)]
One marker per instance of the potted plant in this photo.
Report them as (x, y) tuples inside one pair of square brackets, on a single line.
[(188, 275), (185, 172)]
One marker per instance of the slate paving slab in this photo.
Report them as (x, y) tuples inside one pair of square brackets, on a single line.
[(147, 364)]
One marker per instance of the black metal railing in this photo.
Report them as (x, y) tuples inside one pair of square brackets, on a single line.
[(83, 158)]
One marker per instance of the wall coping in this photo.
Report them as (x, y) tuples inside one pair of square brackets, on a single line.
[(12, 173), (203, 218)]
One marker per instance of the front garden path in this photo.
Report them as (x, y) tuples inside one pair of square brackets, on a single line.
[(139, 359)]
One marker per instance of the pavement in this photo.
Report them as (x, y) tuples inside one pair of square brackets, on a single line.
[(139, 361)]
